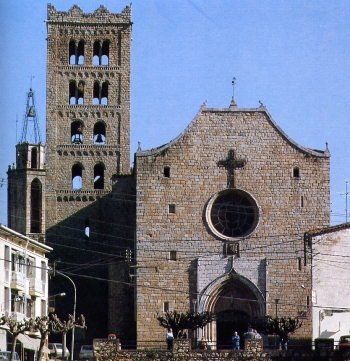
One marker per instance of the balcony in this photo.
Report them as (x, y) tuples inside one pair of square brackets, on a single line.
[(17, 280), (17, 316), (36, 287)]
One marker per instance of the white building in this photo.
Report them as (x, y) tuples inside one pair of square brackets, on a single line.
[(24, 281), (330, 282)]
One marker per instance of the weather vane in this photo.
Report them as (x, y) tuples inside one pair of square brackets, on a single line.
[(233, 86)]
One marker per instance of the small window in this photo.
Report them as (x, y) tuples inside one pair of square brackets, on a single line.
[(99, 176), (308, 301), (172, 256), (296, 172), (34, 153), (299, 264), (87, 228), (77, 176), (301, 201), (167, 172), (172, 208), (166, 307)]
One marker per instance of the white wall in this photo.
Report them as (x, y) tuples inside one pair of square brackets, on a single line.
[(34, 251), (331, 283)]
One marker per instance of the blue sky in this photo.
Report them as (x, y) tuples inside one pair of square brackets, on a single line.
[(294, 56)]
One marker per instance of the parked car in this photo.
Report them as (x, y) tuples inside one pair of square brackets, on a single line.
[(55, 350), (6, 355), (86, 352), (344, 342)]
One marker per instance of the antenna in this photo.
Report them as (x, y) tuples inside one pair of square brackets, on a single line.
[(16, 125), (346, 199)]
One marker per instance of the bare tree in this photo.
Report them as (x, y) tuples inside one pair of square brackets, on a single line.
[(180, 321), (58, 326), (15, 328), (280, 326)]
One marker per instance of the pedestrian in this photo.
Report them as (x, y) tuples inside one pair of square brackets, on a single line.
[(169, 338), (284, 340), (257, 335), (235, 341), (182, 334)]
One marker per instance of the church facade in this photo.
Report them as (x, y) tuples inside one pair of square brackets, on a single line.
[(221, 214), (212, 221)]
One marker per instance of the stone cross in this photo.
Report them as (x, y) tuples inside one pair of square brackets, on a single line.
[(231, 163)]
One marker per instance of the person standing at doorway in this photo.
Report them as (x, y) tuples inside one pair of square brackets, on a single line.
[(169, 338), (235, 341)]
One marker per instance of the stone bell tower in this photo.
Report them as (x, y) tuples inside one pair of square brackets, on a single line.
[(88, 107), (88, 151), (26, 178)]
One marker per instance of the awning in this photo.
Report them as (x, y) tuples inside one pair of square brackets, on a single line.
[(31, 343), (36, 342)]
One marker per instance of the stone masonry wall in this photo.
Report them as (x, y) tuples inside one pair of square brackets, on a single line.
[(61, 154), (89, 226), (289, 204)]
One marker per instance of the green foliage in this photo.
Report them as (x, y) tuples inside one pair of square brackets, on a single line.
[(181, 321)]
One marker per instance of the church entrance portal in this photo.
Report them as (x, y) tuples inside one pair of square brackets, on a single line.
[(235, 301), (227, 322)]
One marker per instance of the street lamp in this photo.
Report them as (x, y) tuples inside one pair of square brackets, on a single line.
[(52, 301), (62, 294), (75, 305)]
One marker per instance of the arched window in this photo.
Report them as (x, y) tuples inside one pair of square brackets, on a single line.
[(99, 133), (77, 176), (76, 93), (35, 206), (76, 53), (101, 53), (100, 93), (99, 176), (76, 132), (33, 159)]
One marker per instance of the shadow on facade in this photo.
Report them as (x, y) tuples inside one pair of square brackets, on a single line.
[(90, 247)]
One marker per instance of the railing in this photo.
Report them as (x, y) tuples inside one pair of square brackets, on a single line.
[(17, 316), (17, 280), (35, 286)]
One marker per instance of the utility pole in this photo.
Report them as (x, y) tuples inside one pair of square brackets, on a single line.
[(346, 200)]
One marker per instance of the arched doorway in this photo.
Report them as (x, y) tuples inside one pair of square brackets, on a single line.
[(235, 301), (227, 322)]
